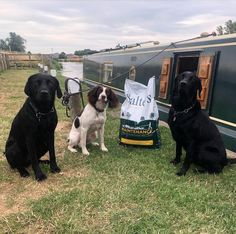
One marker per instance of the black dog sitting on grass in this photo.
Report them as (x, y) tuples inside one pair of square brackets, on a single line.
[(32, 130), (192, 129)]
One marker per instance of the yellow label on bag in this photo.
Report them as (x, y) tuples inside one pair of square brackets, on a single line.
[(136, 142)]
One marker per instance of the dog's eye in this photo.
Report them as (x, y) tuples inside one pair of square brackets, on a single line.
[(99, 90)]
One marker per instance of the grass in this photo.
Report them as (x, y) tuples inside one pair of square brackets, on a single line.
[(127, 190)]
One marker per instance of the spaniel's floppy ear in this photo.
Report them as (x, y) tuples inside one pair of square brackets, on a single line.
[(112, 99), (58, 88), (92, 95), (28, 86)]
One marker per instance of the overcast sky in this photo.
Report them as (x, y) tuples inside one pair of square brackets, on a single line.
[(60, 25)]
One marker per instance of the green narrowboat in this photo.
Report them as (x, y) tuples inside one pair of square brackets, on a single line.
[(213, 58)]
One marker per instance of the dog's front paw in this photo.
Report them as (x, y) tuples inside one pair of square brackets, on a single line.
[(40, 177), (180, 173), (55, 169), (24, 173), (73, 150), (175, 161), (85, 152), (104, 149)]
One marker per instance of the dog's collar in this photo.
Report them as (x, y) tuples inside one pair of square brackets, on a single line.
[(185, 111), (98, 110), (39, 114)]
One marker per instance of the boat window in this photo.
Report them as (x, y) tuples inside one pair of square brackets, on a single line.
[(107, 71)]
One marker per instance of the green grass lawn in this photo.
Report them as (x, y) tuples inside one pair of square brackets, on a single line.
[(127, 190)]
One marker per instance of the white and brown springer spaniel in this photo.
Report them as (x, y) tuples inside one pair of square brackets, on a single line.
[(91, 122)]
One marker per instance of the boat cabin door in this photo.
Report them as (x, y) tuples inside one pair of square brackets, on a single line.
[(202, 65)]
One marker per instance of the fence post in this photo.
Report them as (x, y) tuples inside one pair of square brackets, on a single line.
[(75, 106), (1, 62), (30, 63), (5, 61)]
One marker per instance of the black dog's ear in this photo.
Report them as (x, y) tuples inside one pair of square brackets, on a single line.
[(112, 98), (199, 87), (28, 87), (58, 88)]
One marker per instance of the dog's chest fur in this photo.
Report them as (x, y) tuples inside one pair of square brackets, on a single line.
[(98, 122), (91, 119)]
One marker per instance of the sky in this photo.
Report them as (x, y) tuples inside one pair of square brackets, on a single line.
[(51, 26)]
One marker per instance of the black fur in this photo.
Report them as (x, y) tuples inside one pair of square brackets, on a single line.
[(77, 122), (192, 129), (32, 130)]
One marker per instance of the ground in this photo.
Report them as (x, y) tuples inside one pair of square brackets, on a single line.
[(127, 190)]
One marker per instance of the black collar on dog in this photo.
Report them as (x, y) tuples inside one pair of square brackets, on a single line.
[(185, 111), (39, 114), (98, 110)]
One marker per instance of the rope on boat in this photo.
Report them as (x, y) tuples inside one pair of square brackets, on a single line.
[(154, 56), (66, 96)]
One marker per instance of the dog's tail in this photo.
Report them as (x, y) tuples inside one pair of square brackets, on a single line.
[(232, 160)]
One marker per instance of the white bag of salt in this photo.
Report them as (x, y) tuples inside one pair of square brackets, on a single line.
[(139, 115)]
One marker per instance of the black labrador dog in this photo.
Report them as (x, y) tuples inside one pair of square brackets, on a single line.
[(193, 130), (32, 130)]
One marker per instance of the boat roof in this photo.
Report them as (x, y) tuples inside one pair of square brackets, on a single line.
[(219, 39), (212, 38)]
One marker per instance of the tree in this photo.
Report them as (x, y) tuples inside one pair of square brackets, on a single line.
[(230, 27), (62, 55), (220, 30), (3, 45), (84, 52), (13, 43), (16, 42)]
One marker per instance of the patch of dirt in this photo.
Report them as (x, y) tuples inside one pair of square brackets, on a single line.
[(82, 173), (63, 126), (3, 100), (62, 131), (14, 196)]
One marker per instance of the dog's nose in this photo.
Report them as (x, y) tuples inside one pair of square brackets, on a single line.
[(183, 82), (44, 92), (103, 97)]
